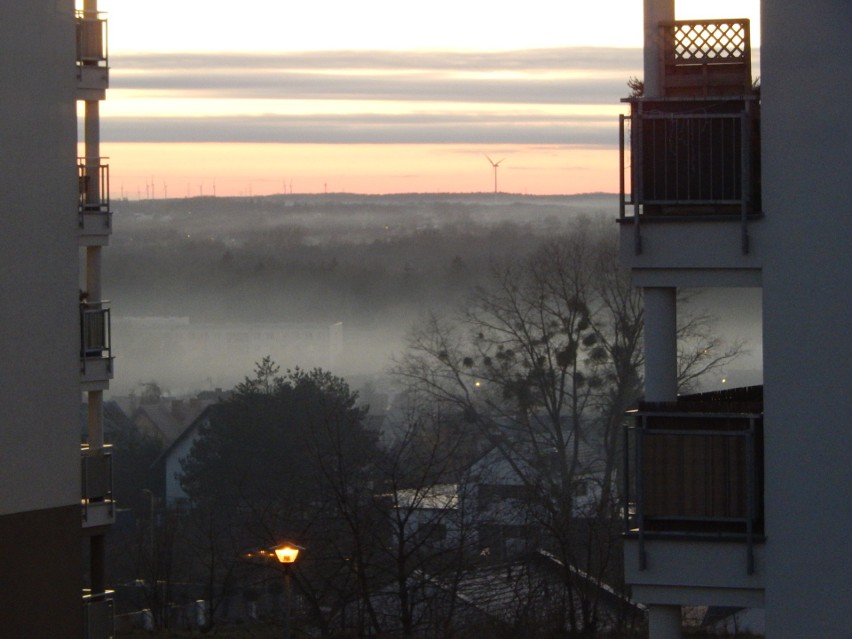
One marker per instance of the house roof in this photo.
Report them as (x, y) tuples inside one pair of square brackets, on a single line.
[(498, 590), (171, 417), (190, 430)]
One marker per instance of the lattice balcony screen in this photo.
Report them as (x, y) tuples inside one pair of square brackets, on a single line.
[(708, 42)]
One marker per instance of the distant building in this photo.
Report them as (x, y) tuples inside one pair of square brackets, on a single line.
[(54, 323), (740, 498)]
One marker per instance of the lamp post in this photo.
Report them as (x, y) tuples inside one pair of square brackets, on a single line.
[(287, 554)]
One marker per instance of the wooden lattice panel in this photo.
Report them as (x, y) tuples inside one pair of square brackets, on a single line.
[(705, 58), (709, 42)]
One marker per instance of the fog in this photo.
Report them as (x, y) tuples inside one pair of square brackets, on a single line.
[(201, 288)]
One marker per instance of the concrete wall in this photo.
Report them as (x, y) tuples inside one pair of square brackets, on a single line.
[(39, 325), (807, 153), (40, 521)]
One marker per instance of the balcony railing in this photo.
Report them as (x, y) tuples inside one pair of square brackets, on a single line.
[(95, 337), (695, 468), (96, 360), (93, 182), (96, 486), (693, 150), (691, 159), (98, 615), (92, 46)]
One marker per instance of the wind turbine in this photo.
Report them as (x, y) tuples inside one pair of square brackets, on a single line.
[(495, 165)]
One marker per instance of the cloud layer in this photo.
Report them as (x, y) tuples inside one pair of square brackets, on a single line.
[(373, 96)]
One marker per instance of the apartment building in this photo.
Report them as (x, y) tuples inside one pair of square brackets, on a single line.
[(54, 334), (741, 498)]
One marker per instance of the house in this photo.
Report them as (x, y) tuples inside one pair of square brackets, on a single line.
[(55, 337), (169, 463), (431, 514), (740, 499), (492, 506)]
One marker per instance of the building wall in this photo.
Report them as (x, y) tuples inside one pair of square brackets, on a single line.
[(807, 153), (39, 339)]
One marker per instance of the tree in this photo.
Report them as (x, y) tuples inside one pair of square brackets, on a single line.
[(266, 463), (260, 447), (543, 362)]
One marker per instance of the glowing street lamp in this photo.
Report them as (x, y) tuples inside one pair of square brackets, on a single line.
[(286, 553)]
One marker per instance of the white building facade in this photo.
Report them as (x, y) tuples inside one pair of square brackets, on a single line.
[(54, 496), (742, 498)]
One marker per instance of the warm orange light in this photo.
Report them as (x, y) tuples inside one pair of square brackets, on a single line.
[(287, 554)]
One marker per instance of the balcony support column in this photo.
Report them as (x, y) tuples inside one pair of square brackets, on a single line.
[(656, 11), (97, 563), (660, 344), (95, 432), (664, 622), (93, 273)]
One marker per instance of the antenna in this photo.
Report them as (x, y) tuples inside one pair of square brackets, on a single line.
[(495, 165)]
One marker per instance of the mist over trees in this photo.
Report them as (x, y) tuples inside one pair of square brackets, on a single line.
[(281, 260), (494, 473), (376, 264)]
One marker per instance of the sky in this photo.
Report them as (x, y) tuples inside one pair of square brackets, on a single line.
[(378, 96)]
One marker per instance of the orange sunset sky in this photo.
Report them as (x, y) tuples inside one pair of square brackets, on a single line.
[(379, 96)]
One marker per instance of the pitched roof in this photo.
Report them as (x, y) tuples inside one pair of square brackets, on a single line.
[(172, 416)]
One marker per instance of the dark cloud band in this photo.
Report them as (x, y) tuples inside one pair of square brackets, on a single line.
[(468, 80)]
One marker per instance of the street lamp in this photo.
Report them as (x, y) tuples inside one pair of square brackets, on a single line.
[(286, 553)]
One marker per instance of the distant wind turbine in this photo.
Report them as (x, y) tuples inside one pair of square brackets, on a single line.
[(494, 165)]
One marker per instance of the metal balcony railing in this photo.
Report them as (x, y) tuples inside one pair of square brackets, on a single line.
[(92, 45), (694, 472), (693, 148), (96, 473), (93, 182), (98, 505), (691, 158), (99, 615), (95, 332)]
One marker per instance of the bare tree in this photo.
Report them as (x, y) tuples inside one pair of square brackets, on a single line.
[(543, 362), (406, 530)]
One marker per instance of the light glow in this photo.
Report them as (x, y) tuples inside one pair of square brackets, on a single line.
[(287, 554)]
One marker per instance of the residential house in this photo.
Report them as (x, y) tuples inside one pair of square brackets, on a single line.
[(169, 463)]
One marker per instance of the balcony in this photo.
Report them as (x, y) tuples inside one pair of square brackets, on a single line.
[(98, 615), (97, 501), (95, 349), (93, 205), (92, 56), (694, 151), (694, 470)]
